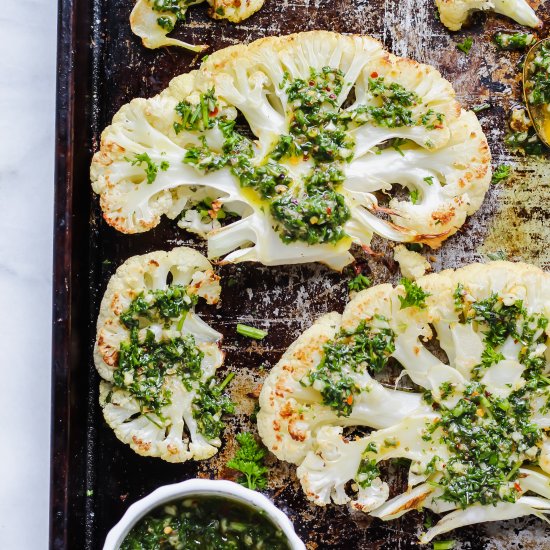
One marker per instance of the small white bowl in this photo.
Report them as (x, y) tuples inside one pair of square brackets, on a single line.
[(200, 487)]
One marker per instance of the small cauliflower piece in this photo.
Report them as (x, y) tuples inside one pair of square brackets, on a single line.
[(454, 13), (476, 437), (412, 264), (303, 192), (153, 20), (158, 359)]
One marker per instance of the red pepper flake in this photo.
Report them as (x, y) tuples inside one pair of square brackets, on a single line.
[(214, 112), (517, 487), (329, 210), (374, 74), (311, 83), (349, 400)]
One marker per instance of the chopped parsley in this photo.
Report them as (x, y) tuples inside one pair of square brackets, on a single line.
[(465, 46), (249, 460), (309, 207), (151, 167), (415, 195), (147, 358), (538, 71), (199, 116), (484, 457), (365, 348), (502, 172), (358, 283), (210, 405), (516, 41), (415, 296), (174, 10)]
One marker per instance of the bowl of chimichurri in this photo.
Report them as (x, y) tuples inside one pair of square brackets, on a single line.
[(205, 514)]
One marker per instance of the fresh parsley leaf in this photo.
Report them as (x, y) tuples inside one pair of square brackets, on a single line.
[(359, 283), (465, 46), (414, 295), (429, 180), (415, 195), (502, 172), (249, 461), (151, 167)]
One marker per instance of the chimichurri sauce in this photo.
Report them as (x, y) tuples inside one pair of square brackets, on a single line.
[(208, 523), (305, 205), (538, 84)]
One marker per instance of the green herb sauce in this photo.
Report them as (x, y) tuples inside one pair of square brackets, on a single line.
[(172, 10), (145, 360), (310, 207), (538, 84), (516, 41), (205, 523), (490, 437), (365, 348)]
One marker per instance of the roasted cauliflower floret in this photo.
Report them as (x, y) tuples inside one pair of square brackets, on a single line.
[(153, 20), (336, 118), (158, 359), (475, 435), (454, 13)]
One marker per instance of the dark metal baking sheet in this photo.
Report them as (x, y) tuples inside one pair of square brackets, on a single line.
[(101, 66)]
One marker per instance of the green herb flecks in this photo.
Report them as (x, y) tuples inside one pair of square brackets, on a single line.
[(143, 365), (466, 45), (174, 10), (515, 41), (365, 348), (209, 406), (538, 71), (199, 116), (502, 172), (311, 207), (415, 296), (484, 457), (249, 460), (151, 168), (358, 283), (205, 522)]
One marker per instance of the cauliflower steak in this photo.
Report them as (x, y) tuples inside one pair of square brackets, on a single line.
[(153, 20), (282, 151), (474, 422), (158, 359)]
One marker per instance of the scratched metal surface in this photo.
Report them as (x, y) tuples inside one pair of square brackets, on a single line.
[(286, 300)]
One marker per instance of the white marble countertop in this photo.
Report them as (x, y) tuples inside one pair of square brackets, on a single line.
[(27, 113)]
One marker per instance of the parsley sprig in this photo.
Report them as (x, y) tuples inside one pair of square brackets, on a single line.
[(249, 461), (415, 296)]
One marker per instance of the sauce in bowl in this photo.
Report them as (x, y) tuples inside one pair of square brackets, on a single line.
[(208, 523)]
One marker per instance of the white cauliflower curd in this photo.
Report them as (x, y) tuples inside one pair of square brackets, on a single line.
[(455, 13), (153, 20), (281, 151), (474, 345), (158, 359)]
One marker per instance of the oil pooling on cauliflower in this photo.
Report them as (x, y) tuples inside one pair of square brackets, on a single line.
[(292, 138), (472, 422), (158, 359)]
